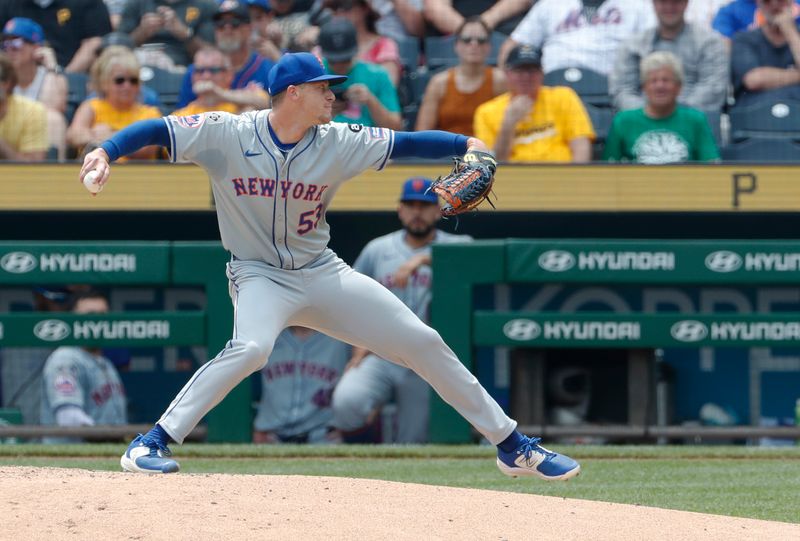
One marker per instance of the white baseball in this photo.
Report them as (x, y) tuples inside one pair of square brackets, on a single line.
[(90, 181)]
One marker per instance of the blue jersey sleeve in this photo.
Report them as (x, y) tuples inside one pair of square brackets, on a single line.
[(139, 134), (428, 144)]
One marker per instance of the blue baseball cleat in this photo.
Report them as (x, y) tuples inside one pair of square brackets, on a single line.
[(531, 459), (147, 456)]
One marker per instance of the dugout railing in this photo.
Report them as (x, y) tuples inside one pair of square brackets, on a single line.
[(125, 264), (459, 269)]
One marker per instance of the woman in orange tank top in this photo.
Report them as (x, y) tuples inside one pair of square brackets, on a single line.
[(452, 96)]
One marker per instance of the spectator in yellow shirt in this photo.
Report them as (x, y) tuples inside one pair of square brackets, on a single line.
[(532, 122), (115, 77), (211, 80), (23, 122)]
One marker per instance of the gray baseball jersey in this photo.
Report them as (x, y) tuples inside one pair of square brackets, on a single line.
[(297, 384), (74, 377), (271, 207), (382, 256)]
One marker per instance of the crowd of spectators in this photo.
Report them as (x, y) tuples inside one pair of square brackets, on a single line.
[(71, 75)]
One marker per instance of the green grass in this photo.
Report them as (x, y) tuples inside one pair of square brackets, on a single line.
[(739, 481)]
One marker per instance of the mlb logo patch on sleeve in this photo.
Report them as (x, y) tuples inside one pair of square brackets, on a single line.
[(378, 133), (192, 121), (65, 384)]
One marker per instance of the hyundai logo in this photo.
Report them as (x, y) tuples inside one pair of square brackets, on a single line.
[(51, 330), (689, 330), (723, 261), (18, 262), (556, 260), (522, 329)]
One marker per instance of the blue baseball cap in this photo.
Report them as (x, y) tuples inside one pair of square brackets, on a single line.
[(27, 29), (418, 189), (263, 4), (297, 69)]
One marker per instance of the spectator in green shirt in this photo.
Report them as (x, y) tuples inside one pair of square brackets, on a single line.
[(368, 96), (662, 131)]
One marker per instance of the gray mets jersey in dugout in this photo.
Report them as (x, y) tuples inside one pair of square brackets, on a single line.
[(75, 377)]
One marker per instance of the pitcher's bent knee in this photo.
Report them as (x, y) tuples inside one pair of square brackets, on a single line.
[(256, 355), (424, 340), (349, 408)]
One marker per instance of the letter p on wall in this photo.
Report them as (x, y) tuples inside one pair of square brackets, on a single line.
[(743, 183)]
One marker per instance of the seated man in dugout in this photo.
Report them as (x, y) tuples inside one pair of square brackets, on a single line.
[(81, 387)]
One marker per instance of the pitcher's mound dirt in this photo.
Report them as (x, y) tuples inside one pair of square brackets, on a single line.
[(54, 504)]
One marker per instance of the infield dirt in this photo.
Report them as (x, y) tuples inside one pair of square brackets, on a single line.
[(54, 504)]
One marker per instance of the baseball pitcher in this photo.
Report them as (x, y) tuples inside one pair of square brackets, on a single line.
[(273, 174)]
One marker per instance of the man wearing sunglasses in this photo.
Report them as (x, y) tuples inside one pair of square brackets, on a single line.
[(232, 31), (211, 78), (181, 26), (23, 122)]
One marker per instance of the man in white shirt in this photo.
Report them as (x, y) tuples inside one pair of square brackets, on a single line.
[(580, 33)]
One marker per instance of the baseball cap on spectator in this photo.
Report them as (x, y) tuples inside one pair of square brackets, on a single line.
[(524, 55), (418, 189), (117, 38), (337, 39), (296, 69), (234, 7), (263, 4), (27, 29)]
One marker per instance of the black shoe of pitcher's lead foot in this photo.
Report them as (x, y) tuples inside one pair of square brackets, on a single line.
[(531, 459), (147, 456)]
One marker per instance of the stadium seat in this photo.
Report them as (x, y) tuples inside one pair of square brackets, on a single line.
[(601, 118), (439, 51), (715, 121), (409, 53), (590, 85), (77, 84), (762, 150), (412, 88), (778, 120), (166, 83), (497, 41)]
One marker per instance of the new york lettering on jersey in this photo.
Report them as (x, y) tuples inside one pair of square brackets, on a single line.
[(271, 203)]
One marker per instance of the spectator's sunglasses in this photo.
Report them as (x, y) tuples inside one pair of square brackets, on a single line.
[(213, 70), (119, 81), (13, 44), (473, 39), (233, 23)]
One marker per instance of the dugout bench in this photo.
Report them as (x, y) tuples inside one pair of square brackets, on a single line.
[(114, 264), (459, 268)]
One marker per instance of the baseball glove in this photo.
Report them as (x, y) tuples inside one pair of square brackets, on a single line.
[(468, 184)]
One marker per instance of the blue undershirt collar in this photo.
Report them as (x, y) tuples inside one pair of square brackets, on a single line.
[(284, 147)]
